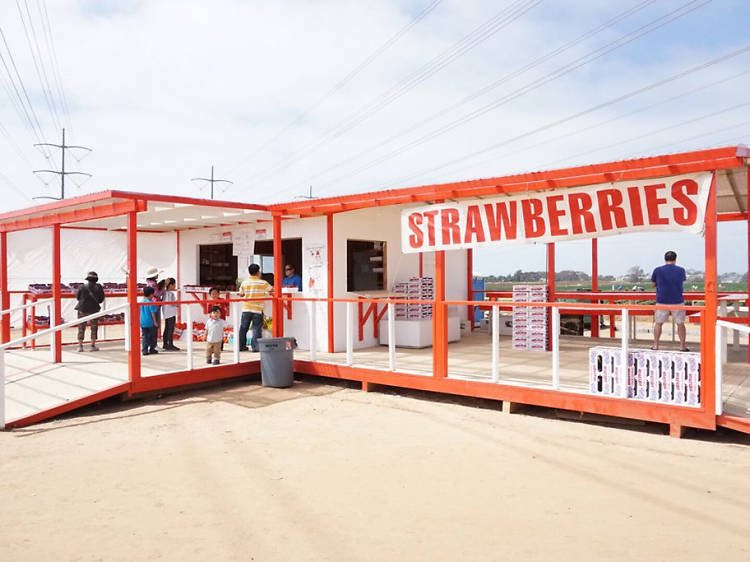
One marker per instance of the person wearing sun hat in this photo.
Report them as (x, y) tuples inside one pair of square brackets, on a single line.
[(152, 280), (90, 296)]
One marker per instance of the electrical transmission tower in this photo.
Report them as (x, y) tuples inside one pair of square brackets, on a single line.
[(211, 181), (62, 173)]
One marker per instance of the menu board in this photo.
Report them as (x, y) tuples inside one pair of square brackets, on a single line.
[(243, 244)]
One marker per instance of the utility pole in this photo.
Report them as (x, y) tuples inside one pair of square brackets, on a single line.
[(310, 196), (62, 173), (211, 181)]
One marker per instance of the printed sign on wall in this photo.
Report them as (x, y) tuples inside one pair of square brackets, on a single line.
[(675, 203)]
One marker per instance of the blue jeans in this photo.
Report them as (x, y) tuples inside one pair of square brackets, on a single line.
[(252, 320), (148, 340)]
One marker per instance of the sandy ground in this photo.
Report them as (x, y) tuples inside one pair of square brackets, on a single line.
[(321, 472)]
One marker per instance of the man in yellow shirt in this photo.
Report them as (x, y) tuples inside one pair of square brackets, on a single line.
[(252, 311)]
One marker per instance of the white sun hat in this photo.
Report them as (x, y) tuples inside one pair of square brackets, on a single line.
[(153, 272)]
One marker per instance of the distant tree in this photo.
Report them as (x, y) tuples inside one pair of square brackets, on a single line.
[(635, 274)]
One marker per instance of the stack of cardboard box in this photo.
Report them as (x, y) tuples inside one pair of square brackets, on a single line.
[(530, 323), (418, 289)]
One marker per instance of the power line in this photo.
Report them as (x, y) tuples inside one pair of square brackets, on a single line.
[(578, 114), (558, 73), (344, 81), (10, 140), (29, 113), (211, 181), (499, 21), (36, 57), (62, 173), (41, 6), (534, 63)]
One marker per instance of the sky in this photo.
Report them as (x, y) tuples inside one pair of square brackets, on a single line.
[(349, 96)]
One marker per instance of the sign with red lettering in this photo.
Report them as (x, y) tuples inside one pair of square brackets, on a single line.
[(676, 203)]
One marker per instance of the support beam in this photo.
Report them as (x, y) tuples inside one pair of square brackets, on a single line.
[(439, 321), (278, 276), (708, 367), (594, 284), (56, 288), (4, 288), (550, 288), (747, 228), (177, 275), (329, 254), (469, 286), (134, 355)]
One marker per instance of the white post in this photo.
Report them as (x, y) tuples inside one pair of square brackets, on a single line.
[(313, 326), (349, 334), (736, 333), (189, 330), (391, 337), (719, 346), (556, 348), (2, 389), (53, 334), (127, 328), (236, 331), (625, 326), (495, 343)]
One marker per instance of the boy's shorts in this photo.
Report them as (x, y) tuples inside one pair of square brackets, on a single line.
[(662, 315)]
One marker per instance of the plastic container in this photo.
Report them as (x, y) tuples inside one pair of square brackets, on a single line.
[(277, 361)]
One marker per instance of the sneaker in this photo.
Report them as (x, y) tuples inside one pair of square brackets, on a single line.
[(80, 347), (153, 352), (144, 353), (173, 348), (208, 361), (244, 349), (215, 361), (94, 348)]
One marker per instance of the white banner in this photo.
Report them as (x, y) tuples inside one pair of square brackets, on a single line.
[(676, 203)]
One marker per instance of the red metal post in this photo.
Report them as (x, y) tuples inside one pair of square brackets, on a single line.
[(177, 275), (5, 296), (550, 289), (421, 264), (56, 289), (134, 356), (469, 286), (439, 321), (329, 253), (594, 284), (278, 277), (709, 326), (747, 208)]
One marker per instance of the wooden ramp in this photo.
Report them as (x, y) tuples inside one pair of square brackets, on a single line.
[(36, 389)]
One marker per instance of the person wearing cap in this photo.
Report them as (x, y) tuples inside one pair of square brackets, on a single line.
[(90, 296), (291, 278)]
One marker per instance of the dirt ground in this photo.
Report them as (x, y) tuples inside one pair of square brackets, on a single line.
[(322, 472)]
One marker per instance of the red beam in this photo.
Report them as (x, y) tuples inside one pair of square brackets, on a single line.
[(724, 217), (329, 252), (4, 294), (134, 356), (708, 332), (594, 283), (76, 215), (439, 321), (196, 376), (469, 286), (278, 277), (550, 289), (56, 288)]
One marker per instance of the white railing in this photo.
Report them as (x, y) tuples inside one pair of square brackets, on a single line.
[(721, 328), (52, 331)]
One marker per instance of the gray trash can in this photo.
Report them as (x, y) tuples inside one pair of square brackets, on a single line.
[(277, 361)]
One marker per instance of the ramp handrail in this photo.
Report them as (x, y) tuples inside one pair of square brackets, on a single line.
[(51, 331), (24, 306), (721, 326)]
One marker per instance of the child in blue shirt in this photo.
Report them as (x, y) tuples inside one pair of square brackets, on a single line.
[(148, 323)]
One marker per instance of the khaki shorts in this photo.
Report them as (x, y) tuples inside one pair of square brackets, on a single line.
[(662, 315)]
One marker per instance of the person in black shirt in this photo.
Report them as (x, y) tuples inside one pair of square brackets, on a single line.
[(90, 296)]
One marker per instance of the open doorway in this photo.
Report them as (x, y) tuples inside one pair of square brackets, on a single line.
[(291, 254), (217, 266)]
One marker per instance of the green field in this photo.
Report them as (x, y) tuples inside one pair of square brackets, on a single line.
[(608, 286)]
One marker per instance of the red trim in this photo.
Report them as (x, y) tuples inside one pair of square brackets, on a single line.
[(724, 217), (56, 288), (134, 356), (76, 215), (469, 286), (421, 264), (329, 251), (196, 376), (655, 166), (68, 407), (278, 276), (4, 294), (708, 333), (439, 321), (594, 283), (747, 228), (177, 274), (663, 413), (734, 422), (187, 200)]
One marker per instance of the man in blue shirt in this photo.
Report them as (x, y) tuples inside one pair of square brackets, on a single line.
[(291, 279), (668, 280), (149, 323)]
